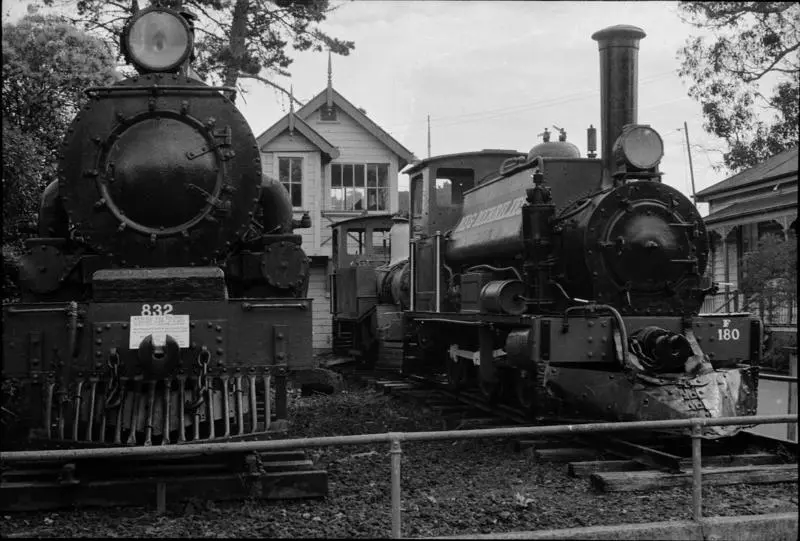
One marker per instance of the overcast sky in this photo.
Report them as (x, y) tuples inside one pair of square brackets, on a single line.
[(494, 75)]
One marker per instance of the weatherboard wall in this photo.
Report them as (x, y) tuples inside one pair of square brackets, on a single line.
[(355, 144)]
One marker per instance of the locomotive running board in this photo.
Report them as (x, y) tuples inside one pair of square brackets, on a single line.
[(118, 482)]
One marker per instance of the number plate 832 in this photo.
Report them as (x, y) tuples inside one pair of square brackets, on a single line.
[(156, 309)]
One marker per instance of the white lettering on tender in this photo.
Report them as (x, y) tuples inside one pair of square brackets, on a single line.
[(492, 214)]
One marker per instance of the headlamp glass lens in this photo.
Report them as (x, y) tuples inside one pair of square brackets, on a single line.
[(643, 147), (158, 40)]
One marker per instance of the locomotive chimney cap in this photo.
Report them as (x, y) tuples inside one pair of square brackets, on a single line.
[(619, 31)]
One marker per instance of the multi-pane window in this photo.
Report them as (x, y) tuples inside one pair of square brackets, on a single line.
[(290, 173), (359, 186)]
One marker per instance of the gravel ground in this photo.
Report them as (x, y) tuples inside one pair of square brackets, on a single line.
[(449, 488)]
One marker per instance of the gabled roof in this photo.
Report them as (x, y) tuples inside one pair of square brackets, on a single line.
[(742, 209), (353, 112), (330, 151), (780, 165)]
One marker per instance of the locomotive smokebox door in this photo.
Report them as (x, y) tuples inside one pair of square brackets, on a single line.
[(160, 170)]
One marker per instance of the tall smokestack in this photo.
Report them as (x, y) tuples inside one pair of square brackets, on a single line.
[(619, 55)]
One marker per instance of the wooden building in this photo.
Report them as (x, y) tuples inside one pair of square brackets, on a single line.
[(336, 163), (744, 208)]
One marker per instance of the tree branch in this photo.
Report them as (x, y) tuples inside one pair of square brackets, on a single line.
[(243, 75), (201, 9), (771, 67)]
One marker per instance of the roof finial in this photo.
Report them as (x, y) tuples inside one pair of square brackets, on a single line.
[(291, 109), (329, 95)]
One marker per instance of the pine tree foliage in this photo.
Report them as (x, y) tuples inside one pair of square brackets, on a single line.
[(234, 39)]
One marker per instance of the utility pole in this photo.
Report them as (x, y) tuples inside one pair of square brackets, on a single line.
[(429, 136), (691, 169)]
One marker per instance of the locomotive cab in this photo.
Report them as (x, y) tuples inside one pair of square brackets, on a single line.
[(438, 189), (438, 186), (359, 246)]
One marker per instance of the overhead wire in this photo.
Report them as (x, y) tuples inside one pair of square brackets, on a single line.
[(490, 114)]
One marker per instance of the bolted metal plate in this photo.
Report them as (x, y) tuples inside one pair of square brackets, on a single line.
[(43, 268), (284, 265), (159, 171)]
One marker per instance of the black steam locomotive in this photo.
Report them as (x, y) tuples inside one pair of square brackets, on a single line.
[(572, 285), (164, 300)]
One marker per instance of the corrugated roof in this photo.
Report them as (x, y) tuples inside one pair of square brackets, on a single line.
[(781, 164), (751, 206)]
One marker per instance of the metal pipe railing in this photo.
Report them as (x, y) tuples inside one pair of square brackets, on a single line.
[(360, 439), (396, 453), (437, 270), (778, 377), (412, 272), (394, 439), (697, 473)]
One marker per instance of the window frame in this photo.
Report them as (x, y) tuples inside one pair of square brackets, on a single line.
[(351, 186), (291, 158), (335, 115)]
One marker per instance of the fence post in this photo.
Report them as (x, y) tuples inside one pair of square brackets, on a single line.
[(395, 451), (791, 428), (697, 472), (161, 497)]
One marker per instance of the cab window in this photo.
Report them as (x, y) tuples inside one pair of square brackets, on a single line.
[(380, 242), (416, 196), (355, 241), (451, 183)]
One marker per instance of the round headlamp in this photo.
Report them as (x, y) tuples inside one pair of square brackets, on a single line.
[(640, 146), (158, 39)]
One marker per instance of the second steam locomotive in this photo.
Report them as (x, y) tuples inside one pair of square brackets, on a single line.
[(570, 285)]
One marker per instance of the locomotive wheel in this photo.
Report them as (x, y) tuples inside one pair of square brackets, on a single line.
[(457, 374)]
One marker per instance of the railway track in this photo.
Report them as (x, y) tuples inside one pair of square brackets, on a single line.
[(121, 482), (611, 463)]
